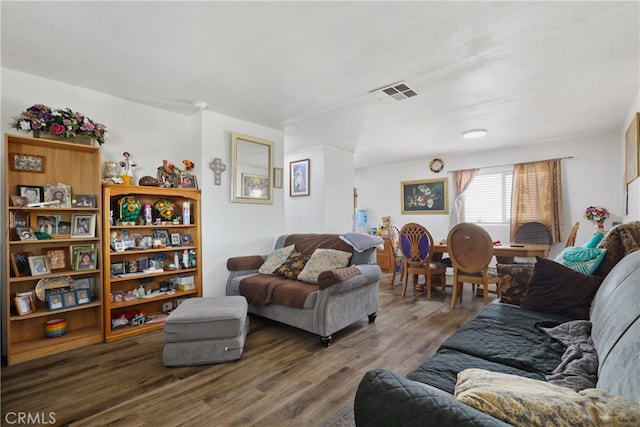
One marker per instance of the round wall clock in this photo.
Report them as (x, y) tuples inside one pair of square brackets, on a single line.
[(436, 165)]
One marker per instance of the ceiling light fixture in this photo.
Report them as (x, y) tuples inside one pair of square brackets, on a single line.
[(200, 105), (475, 133)]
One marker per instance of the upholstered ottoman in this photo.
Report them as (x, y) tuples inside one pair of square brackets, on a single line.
[(206, 330)]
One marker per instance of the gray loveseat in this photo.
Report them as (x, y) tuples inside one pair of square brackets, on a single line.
[(507, 339), (341, 297)]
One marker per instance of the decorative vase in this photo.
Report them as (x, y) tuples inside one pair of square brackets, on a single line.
[(165, 209), (78, 139), (129, 209), (111, 170), (599, 227), (165, 175)]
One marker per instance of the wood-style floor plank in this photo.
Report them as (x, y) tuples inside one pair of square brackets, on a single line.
[(284, 376)]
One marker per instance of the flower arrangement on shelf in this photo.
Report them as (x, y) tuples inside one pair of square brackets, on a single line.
[(597, 214), (188, 165), (62, 122)]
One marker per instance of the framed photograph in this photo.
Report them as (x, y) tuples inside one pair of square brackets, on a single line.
[(73, 250), (24, 304), (186, 240), (277, 177), (19, 219), (20, 264), (32, 193), (83, 225), (39, 265), (117, 268), (83, 201), (255, 186), (188, 181), (55, 301), (84, 283), (299, 178), (26, 162), (632, 149), (60, 192), (86, 259), (83, 296), (58, 258), (69, 299), (425, 196), (143, 263), (175, 239), (26, 233), (163, 236), (146, 242), (16, 200), (47, 224), (64, 228)]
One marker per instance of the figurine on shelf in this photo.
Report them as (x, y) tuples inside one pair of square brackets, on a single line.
[(127, 168)]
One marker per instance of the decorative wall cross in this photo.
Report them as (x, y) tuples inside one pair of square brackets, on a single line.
[(217, 167)]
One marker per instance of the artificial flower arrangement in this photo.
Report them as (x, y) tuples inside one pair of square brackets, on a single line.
[(596, 213), (188, 165), (62, 122)]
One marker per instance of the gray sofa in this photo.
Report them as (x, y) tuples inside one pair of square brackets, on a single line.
[(342, 296), (507, 339)]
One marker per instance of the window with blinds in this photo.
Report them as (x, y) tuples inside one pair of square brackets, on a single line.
[(488, 198)]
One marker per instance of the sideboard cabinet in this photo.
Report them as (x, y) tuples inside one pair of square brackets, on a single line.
[(39, 257), (152, 256)]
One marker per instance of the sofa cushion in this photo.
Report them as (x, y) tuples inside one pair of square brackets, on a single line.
[(513, 282), (554, 288), (583, 260), (323, 260), (292, 266), (275, 259), (524, 401)]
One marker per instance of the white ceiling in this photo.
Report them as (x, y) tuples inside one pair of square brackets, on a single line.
[(527, 71)]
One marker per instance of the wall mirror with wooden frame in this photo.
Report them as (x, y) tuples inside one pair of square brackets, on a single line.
[(251, 169)]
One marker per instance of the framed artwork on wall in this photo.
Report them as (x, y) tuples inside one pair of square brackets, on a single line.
[(425, 196), (631, 153), (27, 162), (299, 178)]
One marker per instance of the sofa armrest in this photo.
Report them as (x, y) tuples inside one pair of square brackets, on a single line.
[(368, 274), (249, 262), (337, 275), (384, 399)]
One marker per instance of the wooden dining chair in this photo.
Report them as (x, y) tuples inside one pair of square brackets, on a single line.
[(531, 232), (416, 245), (571, 239), (471, 249), (394, 235)]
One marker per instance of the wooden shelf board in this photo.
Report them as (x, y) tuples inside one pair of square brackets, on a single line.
[(131, 331), (41, 347)]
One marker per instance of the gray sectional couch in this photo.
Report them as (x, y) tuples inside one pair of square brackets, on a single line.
[(341, 297), (508, 339)]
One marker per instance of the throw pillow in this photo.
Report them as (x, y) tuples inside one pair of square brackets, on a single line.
[(525, 401), (513, 282), (583, 260), (275, 259), (293, 265), (322, 260), (554, 288), (593, 241)]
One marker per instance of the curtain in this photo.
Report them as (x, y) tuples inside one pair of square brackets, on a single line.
[(461, 180), (537, 196)]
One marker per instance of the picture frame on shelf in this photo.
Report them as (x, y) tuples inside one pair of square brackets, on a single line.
[(64, 230), (86, 259), (58, 258), (83, 201), (82, 296), (27, 162), (83, 225), (19, 219), (20, 264), (24, 304), (47, 224), (55, 302), (69, 299), (299, 178), (188, 181), (143, 263), (425, 196), (39, 265), (632, 150), (33, 193), (58, 192), (175, 239), (255, 186), (17, 201), (117, 268), (146, 242), (25, 233), (163, 236), (84, 283), (186, 240)]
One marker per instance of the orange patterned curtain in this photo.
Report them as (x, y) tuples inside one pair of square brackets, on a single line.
[(461, 180), (537, 196)]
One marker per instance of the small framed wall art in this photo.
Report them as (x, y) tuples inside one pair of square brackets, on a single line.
[(27, 162), (299, 178)]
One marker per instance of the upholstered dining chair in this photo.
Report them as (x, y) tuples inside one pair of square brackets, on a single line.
[(531, 232), (571, 239), (471, 249), (416, 245)]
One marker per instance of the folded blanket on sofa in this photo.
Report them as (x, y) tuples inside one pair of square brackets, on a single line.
[(263, 289), (361, 241)]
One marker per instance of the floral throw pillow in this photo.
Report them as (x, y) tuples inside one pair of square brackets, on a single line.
[(513, 282), (291, 268), (275, 259), (323, 260)]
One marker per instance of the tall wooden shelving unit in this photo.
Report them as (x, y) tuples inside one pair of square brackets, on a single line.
[(78, 166), (121, 284)]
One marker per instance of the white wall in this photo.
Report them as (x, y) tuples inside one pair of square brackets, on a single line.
[(592, 177)]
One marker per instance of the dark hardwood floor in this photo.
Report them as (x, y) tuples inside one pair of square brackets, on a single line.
[(283, 378)]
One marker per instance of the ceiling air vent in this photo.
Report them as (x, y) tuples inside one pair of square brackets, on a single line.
[(396, 91)]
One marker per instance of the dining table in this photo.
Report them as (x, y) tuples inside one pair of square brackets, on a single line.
[(504, 253)]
